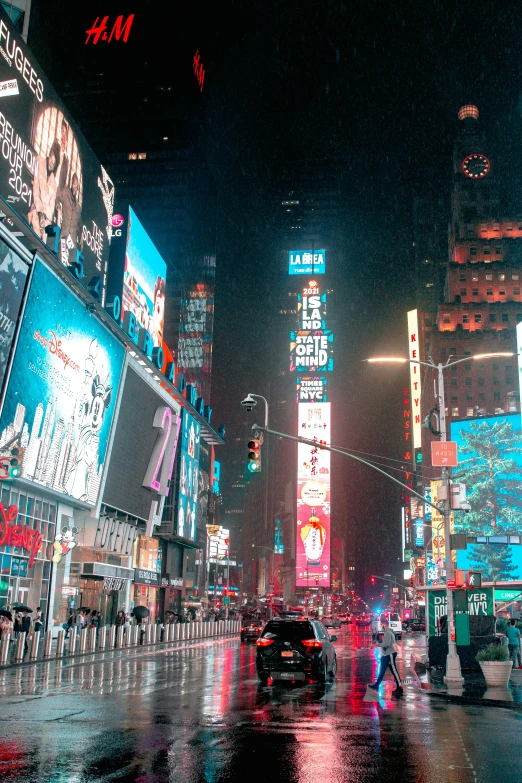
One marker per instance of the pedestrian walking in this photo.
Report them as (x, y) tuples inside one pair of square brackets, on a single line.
[(70, 622), (17, 626), (513, 635), (38, 621), (388, 659), (26, 627)]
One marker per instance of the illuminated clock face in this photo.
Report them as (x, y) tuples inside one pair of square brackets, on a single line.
[(476, 166)]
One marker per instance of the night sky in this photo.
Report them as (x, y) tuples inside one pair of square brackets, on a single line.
[(374, 85)]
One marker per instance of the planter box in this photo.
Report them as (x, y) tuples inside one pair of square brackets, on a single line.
[(496, 673), (516, 676)]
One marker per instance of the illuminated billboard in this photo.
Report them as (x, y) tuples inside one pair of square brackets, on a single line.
[(195, 334), (313, 498), (13, 280), (62, 390), (302, 262), (311, 388), (50, 174), (189, 477), (519, 352), (218, 542), (415, 378), (311, 346), (138, 275)]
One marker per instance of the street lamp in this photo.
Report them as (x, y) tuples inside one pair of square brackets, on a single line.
[(453, 670)]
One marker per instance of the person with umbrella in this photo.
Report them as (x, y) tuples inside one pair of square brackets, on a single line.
[(140, 612), (26, 624)]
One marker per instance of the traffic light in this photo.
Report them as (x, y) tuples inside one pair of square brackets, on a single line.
[(15, 463), (254, 456), (372, 580)]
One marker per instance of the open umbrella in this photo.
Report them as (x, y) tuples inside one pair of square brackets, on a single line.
[(21, 608), (84, 609), (6, 613), (140, 611)]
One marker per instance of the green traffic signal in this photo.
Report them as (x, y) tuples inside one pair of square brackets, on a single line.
[(15, 463), (254, 456)]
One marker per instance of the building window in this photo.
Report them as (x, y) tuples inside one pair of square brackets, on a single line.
[(482, 397), (446, 318), (515, 276), (468, 382), (454, 398), (469, 412), (467, 353), (455, 412), (495, 367), (498, 251), (489, 292), (475, 292), (501, 293), (519, 317), (474, 277), (469, 397), (453, 381), (492, 317), (509, 380), (463, 292), (467, 365), (454, 368), (465, 318), (496, 395), (481, 381), (478, 318), (487, 251), (501, 276), (509, 367), (443, 352), (509, 227), (496, 382), (463, 278), (473, 251), (489, 276), (505, 318), (516, 292)]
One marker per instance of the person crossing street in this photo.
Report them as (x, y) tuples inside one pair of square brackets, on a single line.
[(388, 659)]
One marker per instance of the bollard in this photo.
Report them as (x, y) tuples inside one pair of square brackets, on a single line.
[(189, 631), (119, 636), (148, 634), (112, 637), (154, 633), (102, 638), (35, 642), (168, 632), (59, 644), (73, 633), (92, 640), (4, 648), (134, 635), (19, 654), (197, 630), (48, 641), (83, 640)]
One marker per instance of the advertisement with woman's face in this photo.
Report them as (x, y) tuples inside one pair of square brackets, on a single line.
[(49, 174)]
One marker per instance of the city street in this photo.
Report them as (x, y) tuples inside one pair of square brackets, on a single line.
[(197, 713)]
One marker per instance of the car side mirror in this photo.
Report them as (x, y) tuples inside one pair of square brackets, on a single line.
[(333, 638)]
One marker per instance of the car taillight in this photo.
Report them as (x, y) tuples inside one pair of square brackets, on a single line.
[(264, 642), (312, 644)]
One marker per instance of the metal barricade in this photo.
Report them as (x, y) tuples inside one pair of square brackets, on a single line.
[(72, 640), (102, 638), (48, 642), (119, 636), (4, 648), (20, 644), (35, 642), (112, 637)]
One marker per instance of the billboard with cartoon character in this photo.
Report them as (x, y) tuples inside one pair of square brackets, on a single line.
[(138, 274), (62, 391)]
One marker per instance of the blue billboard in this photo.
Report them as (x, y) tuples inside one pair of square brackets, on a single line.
[(189, 477), (304, 262), (62, 390)]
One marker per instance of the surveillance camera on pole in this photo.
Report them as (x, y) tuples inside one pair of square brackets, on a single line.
[(248, 403)]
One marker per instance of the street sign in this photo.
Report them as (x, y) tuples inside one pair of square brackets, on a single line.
[(473, 579), (226, 601), (444, 454), (451, 583)]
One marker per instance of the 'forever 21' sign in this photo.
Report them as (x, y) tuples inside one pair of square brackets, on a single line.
[(159, 470)]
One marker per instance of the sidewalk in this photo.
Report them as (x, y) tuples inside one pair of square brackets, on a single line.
[(473, 691)]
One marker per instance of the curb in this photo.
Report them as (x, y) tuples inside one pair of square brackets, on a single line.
[(138, 647), (475, 701)]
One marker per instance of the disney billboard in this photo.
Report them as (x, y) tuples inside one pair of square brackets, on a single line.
[(62, 391), (48, 172)]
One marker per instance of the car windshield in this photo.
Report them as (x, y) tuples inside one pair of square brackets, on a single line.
[(289, 630)]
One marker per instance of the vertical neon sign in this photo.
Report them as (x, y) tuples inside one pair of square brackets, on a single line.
[(415, 377)]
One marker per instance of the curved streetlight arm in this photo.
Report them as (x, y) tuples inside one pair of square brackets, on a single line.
[(260, 397)]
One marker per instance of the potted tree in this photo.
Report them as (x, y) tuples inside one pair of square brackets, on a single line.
[(495, 664)]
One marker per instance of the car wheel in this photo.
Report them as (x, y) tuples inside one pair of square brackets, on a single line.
[(333, 670), (321, 675)]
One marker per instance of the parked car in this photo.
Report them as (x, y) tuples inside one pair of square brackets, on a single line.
[(251, 630), (295, 650), (331, 622), (395, 625)]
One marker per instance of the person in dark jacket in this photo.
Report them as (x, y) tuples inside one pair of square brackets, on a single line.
[(70, 622), (388, 658), (27, 625)]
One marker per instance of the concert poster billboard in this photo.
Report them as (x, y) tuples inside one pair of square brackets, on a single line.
[(62, 390), (313, 497), (13, 280), (49, 173), (138, 274)]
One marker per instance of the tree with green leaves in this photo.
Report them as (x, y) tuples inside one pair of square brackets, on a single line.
[(493, 477), (494, 560)]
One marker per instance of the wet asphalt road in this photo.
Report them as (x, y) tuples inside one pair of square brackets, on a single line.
[(197, 714)]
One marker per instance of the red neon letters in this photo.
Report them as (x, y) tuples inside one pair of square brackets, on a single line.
[(19, 536), (119, 30)]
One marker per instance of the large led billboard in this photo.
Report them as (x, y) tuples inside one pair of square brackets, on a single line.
[(311, 346), (490, 464), (138, 274), (313, 497), (415, 377), (519, 352), (306, 262), (62, 390), (189, 477), (13, 280), (50, 174), (195, 336)]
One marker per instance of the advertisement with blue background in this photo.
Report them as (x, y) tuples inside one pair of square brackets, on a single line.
[(300, 262), (490, 464), (188, 477), (62, 390)]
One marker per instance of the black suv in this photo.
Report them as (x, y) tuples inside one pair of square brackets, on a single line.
[(290, 649)]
